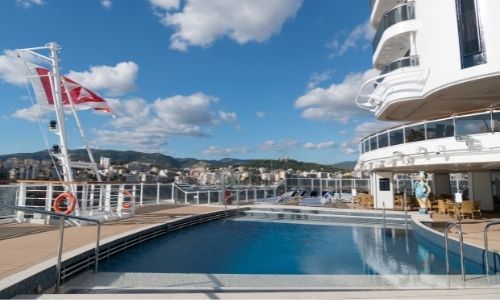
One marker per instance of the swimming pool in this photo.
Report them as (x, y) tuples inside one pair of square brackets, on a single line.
[(246, 246)]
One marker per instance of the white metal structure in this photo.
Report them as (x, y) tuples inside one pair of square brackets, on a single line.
[(439, 65), (436, 58)]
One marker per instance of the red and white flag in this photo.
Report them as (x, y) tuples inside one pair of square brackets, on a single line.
[(81, 97)]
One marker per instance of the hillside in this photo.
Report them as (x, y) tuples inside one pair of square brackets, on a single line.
[(166, 161)]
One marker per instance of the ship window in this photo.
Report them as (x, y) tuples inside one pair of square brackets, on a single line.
[(396, 137), (496, 121), (415, 133), (373, 143), (440, 129), (366, 145), (383, 140), (469, 32), (473, 124)]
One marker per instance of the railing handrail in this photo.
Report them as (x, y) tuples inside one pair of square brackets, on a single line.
[(61, 236), (486, 228), (461, 241)]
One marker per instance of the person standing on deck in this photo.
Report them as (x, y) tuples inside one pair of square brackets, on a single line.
[(422, 191)]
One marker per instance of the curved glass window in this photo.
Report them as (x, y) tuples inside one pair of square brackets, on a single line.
[(440, 129), (496, 121), (383, 140), (473, 124), (415, 133), (366, 145), (373, 143), (396, 137)]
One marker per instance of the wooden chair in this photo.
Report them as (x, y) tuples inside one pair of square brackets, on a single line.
[(467, 209), (442, 208), (477, 207)]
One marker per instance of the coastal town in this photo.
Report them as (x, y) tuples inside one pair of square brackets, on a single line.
[(201, 173)]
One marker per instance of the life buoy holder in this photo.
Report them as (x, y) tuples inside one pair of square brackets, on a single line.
[(228, 198), (127, 204), (70, 199)]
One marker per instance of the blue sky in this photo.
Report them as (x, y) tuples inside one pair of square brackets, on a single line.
[(199, 78)]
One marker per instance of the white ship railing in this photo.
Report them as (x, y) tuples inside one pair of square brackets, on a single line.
[(105, 200)]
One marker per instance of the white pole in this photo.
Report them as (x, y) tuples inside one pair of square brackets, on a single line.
[(58, 105)]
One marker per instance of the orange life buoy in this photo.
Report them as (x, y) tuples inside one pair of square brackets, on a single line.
[(129, 203), (227, 197), (69, 208)]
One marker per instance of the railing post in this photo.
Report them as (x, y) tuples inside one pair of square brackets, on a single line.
[(158, 193), (48, 202), (21, 201), (173, 192), (107, 199), (208, 197), (59, 254), (96, 266), (198, 197), (91, 198), (185, 197), (141, 196)]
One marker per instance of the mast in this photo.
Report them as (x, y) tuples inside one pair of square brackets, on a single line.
[(55, 80)]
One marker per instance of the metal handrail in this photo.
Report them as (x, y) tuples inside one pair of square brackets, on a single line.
[(486, 228), (460, 236), (61, 236)]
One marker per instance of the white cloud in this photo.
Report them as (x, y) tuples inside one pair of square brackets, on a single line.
[(228, 116), (33, 113), (220, 151), (30, 3), (260, 114), (201, 22), (114, 80), (318, 146), (283, 145), (11, 68), (360, 36), (318, 78), (142, 125), (335, 103), (192, 109), (165, 4), (106, 3)]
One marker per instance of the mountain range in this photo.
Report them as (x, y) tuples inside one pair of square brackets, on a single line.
[(169, 162)]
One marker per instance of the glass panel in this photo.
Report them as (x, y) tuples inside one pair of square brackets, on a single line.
[(373, 143), (440, 129), (473, 124), (496, 121), (470, 33), (396, 137), (366, 145), (383, 140), (415, 133)]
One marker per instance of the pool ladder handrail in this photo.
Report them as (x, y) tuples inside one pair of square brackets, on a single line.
[(486, 228), (461, 241), (61, 237)]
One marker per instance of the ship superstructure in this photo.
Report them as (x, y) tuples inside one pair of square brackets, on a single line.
[(439, 65)]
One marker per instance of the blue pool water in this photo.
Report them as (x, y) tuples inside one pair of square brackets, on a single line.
[(262, 247)]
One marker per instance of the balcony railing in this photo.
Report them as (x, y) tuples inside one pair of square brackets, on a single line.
[(407, 61), (401, 13), (458, 126)]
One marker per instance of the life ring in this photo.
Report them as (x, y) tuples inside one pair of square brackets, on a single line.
[(228, 198), (69, 208), (130, 203)]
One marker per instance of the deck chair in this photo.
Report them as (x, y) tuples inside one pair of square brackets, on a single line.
[(467, 209), (442, 209), (477, 207)]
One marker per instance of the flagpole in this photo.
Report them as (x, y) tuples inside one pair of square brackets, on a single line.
[(58, 104)]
